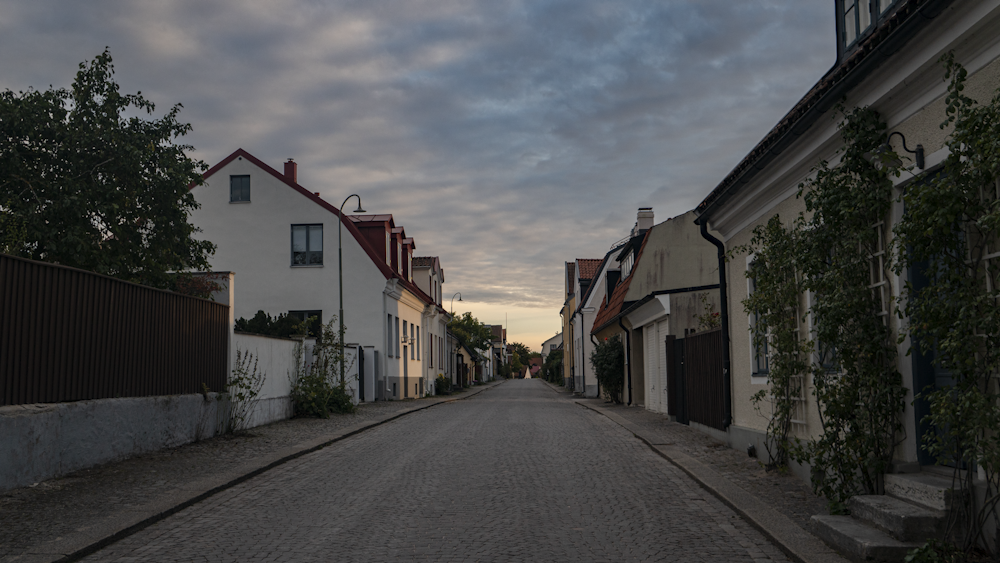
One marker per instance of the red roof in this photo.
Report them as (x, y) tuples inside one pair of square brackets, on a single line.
[(609, 312), (589, 267)]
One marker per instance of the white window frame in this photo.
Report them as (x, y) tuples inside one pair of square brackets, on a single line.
[(755, 379)]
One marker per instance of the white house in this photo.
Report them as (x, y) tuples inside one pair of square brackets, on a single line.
[(428, 275), (281, 241)]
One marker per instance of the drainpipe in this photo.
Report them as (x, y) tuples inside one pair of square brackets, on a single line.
[(628, 360), (727, 413), (596, 344)]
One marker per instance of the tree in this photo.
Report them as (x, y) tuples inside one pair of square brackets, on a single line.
[(470, 332), (552, 368), (521, 353), (84, 185)]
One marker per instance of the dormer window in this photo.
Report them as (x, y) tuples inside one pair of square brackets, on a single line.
[(399, 258), (388, 250), (858, 16), (409, 266), (627, 264)]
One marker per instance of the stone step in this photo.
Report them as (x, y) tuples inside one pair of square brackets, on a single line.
[(859, 541), (925, 489), (902, 520)]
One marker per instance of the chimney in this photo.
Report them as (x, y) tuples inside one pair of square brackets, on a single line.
[(644, 219), (292, 171)]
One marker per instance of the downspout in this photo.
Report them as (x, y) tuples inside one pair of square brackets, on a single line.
[(596, 344), (583, 358), (727, 413), (628, 360)]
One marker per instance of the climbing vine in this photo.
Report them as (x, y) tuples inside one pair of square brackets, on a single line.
[(949, 238), (834, 256), (773, 306), (845, 266)]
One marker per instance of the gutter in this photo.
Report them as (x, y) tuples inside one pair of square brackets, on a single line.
[(727, 412), (596, 344), (628, 359)]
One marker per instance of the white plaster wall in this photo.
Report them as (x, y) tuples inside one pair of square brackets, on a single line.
[(254, 241)]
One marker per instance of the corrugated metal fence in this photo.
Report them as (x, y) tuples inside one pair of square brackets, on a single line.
[(703, 374), (68, 335)]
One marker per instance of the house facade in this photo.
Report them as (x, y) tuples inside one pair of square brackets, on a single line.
[(888, 60), (281, 242)]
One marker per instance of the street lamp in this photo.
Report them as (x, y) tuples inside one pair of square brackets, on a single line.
[(459, 294), (340, 270)]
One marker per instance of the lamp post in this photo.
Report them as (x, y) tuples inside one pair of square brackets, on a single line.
[(459, 294), (340, 271)]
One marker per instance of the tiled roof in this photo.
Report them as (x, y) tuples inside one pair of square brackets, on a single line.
[(589, 267), (610, 310), (423, 261), (846, 74)]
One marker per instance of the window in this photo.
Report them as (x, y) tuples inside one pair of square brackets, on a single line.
[(411, 338), (388, 335), (879, 283), (859, 15), (404, 338), (388, 249), (307, 245), (627, 264), (315, 324), (239, 189), (430, 352), (418, 342), (758, 350)]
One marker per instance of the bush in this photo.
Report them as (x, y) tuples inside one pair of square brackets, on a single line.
[(282, 325), (608, 360), (314, 390), (442, 385)]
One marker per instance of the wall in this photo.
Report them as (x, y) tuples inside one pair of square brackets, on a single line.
[(276, 360), (42, 441), (254, 241)]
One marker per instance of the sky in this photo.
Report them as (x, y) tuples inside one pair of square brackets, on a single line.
[(507, 137)]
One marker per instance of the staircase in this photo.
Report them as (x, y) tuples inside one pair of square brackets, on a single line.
[(886, 527)]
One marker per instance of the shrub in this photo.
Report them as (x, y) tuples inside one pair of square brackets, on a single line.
[(314, 389), (244, 389), (442, 385), (608, 360)]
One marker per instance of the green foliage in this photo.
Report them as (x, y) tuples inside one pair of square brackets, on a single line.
[(83, 184), (608, 360), (442, 385), (950, 229), (553, 368), (774, 306), (838, 257), (243, 389), (282, 325), (521, 353), (934, 551), (316, 389), (470, 331), (845, 265), (709, 318)]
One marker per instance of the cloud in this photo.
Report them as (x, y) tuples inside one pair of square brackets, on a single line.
[(506, 136)]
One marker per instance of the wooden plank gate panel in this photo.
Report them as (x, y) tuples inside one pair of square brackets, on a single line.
[(703, 370)]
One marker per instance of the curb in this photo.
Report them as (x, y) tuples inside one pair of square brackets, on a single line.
[(798, 544), (82, 544)]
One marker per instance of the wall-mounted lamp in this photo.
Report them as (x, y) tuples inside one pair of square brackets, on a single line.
[(880, 156)]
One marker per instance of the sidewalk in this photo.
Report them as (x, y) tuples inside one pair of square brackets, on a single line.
[(68, 517), (779, 505)]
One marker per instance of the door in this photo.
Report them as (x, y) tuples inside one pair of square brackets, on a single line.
[(927, 376), (406, 372), (677, 404)]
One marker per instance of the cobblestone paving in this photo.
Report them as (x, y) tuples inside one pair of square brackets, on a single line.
[(783, 491), (33, 515), (513, 474)]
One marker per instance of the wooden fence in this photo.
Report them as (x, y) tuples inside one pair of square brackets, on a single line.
[(703, 374), (69, 335)]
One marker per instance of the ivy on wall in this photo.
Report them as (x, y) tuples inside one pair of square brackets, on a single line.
[(949, 237)]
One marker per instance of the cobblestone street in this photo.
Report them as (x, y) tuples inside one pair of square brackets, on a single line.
[(513, 474)]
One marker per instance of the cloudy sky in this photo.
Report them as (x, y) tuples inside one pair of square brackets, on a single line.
[(506, 136)]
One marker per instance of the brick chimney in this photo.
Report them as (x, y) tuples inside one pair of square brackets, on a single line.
[(292, 171)]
